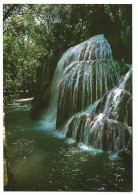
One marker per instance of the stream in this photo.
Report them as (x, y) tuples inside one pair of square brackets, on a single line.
[(41, 159)]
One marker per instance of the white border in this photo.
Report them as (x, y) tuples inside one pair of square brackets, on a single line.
[(69, 1), (135, 81)]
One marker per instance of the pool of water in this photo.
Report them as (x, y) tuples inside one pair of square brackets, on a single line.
[(42, 159)]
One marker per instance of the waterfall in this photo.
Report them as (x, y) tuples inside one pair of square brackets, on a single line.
[(83, 59), (106, 126), (82, 84), (88, 95), (89, 72), (119, 100)]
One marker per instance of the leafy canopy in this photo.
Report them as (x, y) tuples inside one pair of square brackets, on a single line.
[(32, 32)]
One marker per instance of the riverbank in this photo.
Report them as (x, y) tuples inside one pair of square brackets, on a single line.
[(10, 99)]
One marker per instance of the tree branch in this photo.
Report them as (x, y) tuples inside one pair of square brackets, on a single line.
[(9, 12)]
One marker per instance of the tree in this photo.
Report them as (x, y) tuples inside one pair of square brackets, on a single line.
[(32, 32)]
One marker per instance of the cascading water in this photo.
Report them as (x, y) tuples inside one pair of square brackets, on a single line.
[(106, 126), (83, 92), (89, 72), (89, 61), (115, 107), (83, 83), (82, 54)]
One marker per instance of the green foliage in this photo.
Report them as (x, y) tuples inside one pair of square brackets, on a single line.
[(31, 32)]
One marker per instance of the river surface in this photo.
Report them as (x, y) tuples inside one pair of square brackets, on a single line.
[(42, 159)]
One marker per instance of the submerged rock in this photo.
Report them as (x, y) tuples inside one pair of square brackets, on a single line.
[(126, 155)]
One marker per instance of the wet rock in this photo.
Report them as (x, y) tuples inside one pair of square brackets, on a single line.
[(100, 132)]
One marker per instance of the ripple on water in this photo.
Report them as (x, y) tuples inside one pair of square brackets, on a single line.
[(42, 161)]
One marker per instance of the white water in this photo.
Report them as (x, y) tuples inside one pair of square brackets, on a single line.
[(97, 129), (91, 72), (86, 51), (115, 97)]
